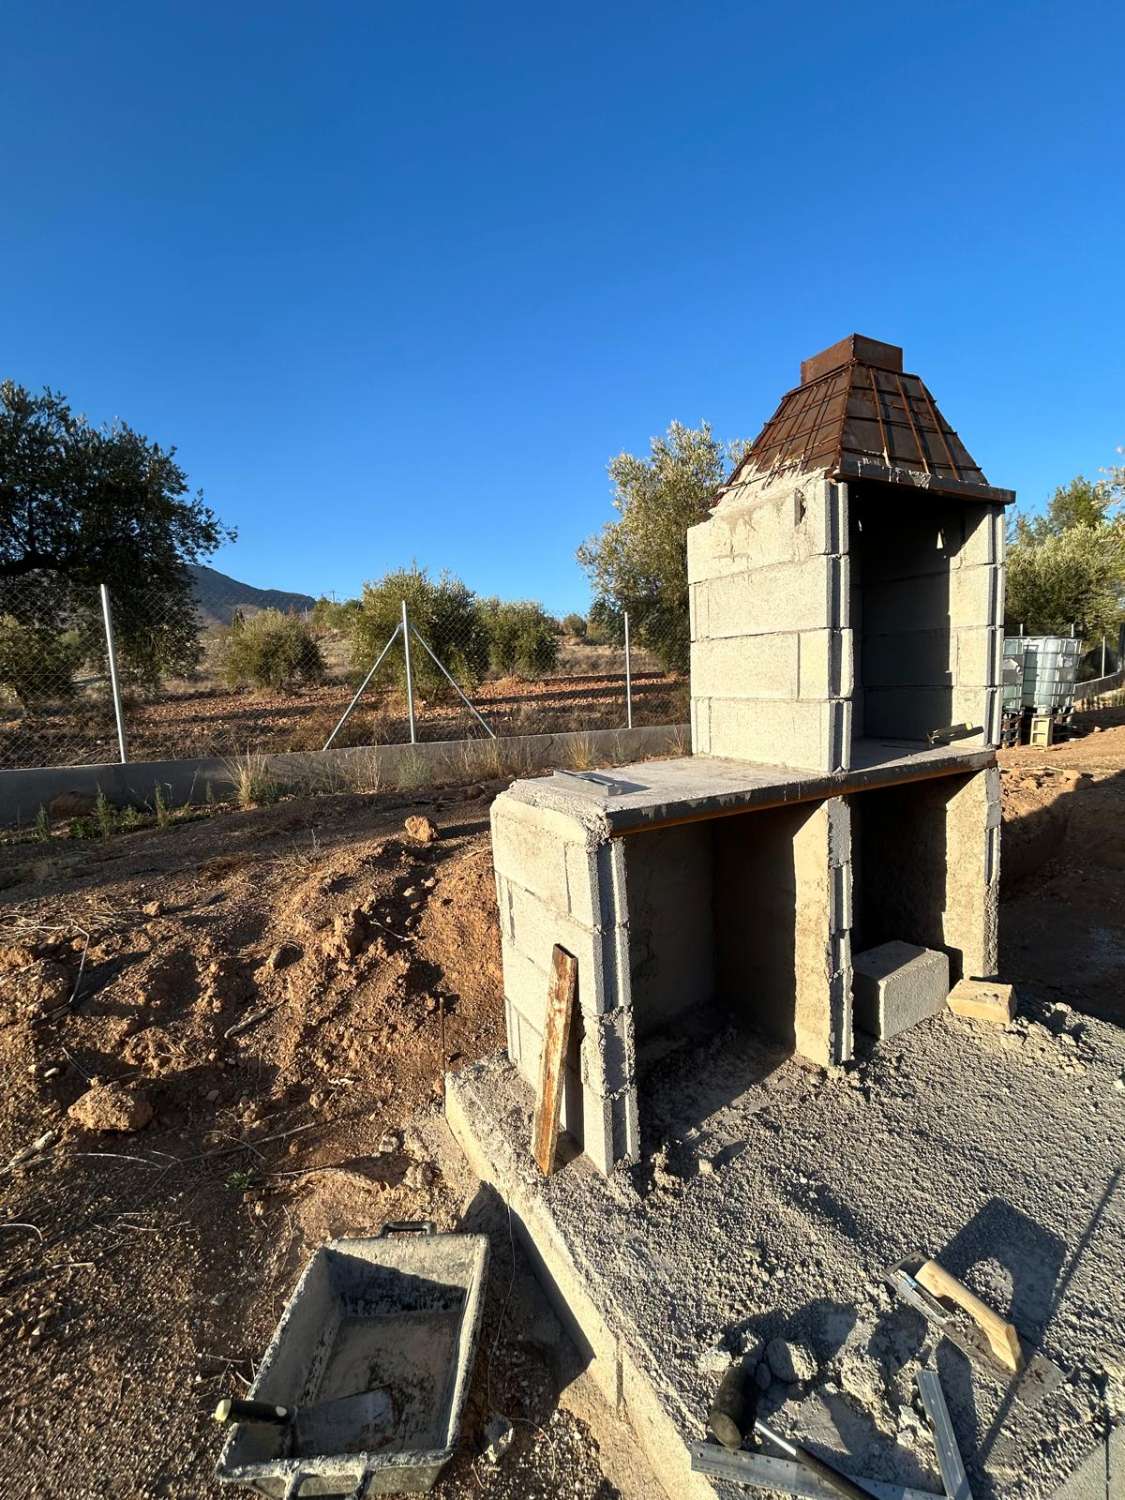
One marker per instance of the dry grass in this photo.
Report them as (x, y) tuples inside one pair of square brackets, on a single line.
[(254, 783)]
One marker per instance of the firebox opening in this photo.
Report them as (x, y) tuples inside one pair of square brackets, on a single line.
[(904, 549)]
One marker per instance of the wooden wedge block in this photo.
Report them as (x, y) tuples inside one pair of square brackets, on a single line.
[(552, 1063), (983, 1000)]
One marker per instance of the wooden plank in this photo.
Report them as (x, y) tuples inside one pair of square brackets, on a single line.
[(983, 1000), (552, 1062)]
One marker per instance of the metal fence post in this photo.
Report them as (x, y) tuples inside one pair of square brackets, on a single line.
[(628, 677), (1103, 656), (115, 686), (359, 690), (409, 672)]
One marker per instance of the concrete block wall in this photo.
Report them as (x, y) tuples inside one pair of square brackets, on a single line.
[(819, 617), (559, 882), (771, 654)]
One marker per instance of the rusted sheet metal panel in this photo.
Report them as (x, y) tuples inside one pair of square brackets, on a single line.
[(857, 413)]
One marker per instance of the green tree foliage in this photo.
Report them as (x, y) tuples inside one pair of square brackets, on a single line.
[(639, 563), (444, 613), (37, 665), (335, 614), (271, 650), (1067, 566), (522, 637), (83, 505), (575, 625)]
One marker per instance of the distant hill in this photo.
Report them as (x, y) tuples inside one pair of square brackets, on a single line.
[(218, 596)]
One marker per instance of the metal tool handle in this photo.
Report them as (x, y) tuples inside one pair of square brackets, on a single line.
[(232, 1409), (832, 1477), (407, 1226)]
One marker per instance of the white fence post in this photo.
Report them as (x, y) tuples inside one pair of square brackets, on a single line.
[(409, 672), (115, 686), (628, 677)]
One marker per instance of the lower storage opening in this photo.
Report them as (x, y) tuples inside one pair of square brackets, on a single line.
[(728, 936), (908, 855)]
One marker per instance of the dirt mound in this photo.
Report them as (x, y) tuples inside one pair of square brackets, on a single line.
[(267, 1000)]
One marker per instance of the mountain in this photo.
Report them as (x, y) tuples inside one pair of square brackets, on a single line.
[(218, 596)]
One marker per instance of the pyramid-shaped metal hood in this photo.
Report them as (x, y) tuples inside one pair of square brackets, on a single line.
[(857, 416)]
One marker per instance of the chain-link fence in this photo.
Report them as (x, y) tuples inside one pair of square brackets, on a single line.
[(335, 675), (56, 703)]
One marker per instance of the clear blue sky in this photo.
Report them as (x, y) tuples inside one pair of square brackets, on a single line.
[(398, 279)]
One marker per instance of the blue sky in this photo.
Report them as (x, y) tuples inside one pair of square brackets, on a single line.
[(398, 280)]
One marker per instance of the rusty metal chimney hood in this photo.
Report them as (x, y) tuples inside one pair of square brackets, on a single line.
[(856, 416)]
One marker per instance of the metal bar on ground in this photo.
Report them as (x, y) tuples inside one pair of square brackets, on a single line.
[(953, 1474), (405, 627), (452, 684), (760, 1471), (628, 677), (363, 684), (115, 686)]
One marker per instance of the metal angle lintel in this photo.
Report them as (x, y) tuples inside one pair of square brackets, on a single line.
[(782, 1474), (953, 1475)]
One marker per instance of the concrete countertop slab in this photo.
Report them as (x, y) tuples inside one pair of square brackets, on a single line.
[(659, 793)]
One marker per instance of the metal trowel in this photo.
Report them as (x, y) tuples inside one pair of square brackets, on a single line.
[(348, 1424), (989, 1342)]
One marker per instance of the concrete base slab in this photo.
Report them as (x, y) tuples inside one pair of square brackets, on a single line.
[(896, 985), (771, 1197)]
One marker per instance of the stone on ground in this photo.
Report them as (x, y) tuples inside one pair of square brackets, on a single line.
[(111, 1109), (421, 829)]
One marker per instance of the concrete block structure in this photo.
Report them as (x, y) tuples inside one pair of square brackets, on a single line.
[(846, 600)]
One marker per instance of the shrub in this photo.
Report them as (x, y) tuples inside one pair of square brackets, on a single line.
[(37, 664), (335, 614), (444, 613), (271, 650), (522, 637), (575, 625)]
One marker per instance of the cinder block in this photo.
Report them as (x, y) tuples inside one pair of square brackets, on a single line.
[(607, 1051), (975, 656), (979, 544), (896, 985), (974, 596), (775, 733), (758, 666), (532, 928), (826, 664), (529, 847), (983, 1000), (786, 596)]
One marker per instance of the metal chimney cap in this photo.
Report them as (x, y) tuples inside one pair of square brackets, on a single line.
[(856, 346)]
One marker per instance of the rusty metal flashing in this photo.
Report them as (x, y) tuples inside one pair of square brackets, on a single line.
[(858, 415)]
